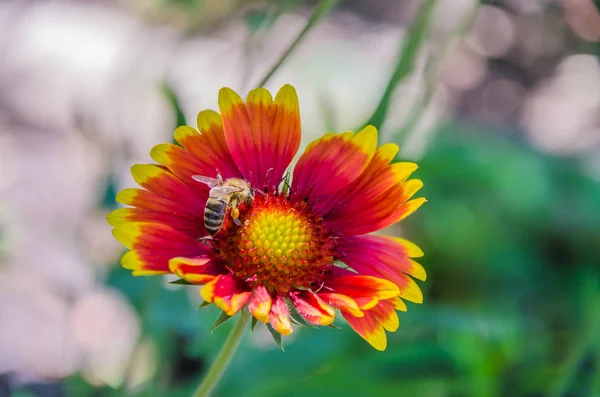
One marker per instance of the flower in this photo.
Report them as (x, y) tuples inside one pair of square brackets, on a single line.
[(299, 248)]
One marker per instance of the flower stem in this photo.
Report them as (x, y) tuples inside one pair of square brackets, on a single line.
[(322, 9), (225, 355), (410, 49)]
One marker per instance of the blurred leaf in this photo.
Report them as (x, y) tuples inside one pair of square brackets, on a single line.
[(109, 196), (260, 19), (253, 324), (173, 99)]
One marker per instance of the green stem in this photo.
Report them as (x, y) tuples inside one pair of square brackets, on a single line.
[(415, 36), (225, 355), (432, 71), (322, 9)]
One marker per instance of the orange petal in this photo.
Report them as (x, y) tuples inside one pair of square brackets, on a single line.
[(262, 135), (285, 130)]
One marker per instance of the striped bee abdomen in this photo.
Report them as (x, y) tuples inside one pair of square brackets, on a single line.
[(214, 214)]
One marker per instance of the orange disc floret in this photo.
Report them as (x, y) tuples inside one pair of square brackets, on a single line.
[(281, 245)]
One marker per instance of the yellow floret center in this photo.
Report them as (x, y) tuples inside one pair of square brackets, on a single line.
[(280, 245)]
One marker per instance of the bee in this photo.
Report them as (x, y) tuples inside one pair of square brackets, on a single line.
[(224, 195)]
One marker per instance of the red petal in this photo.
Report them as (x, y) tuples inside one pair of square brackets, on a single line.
[(153, 245), (227, 293), (374, 323), (366, 216), (374, 180), (280, 317), (208, 146), (342, 302), (331, 163), (381, 256), (197, 270)]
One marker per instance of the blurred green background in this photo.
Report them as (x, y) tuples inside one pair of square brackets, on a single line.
[(498, 102)]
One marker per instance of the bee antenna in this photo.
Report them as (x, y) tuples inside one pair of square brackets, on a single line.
[(268, 172), (320, 287), (341, 252)]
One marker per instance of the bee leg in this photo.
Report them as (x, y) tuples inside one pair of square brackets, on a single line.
[(235, 215), (206, 240)]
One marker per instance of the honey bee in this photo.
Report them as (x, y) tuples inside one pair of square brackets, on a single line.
[(224, 195)]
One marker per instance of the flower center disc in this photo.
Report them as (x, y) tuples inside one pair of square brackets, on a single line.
[(280, 245)]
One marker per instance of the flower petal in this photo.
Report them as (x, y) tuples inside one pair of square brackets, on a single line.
[(331, 163), (208, 146), (285, 132), (182, 164), (375, 322), (227, 293), (369, 329), (198, 270), (280, 317), (142, 264), (312, 308), (366, 216), (367, 291), (262, 135), (260, 304), (381, 256), (187, 225), (342, 302), (160, 181), (154, 245), (374, 180)]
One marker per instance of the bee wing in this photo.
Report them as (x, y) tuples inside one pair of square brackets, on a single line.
[(211, 182), (230, 189)]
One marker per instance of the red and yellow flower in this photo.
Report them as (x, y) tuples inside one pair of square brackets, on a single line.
[(302, 247)]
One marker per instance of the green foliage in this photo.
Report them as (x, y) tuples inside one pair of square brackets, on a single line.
[(175, 104)]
